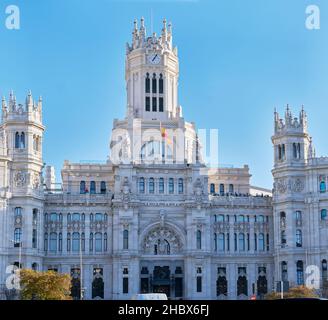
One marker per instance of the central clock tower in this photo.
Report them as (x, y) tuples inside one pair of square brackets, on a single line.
[(152, 71)]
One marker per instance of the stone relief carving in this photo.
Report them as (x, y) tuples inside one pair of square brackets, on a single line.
[(20, 178), (283, 185), (162, 241)]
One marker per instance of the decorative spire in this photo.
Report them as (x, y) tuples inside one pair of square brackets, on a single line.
[(29, 101), (142, 30), (164, 31)]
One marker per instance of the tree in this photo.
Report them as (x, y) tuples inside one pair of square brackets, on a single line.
[(295, 292), (47, 285)]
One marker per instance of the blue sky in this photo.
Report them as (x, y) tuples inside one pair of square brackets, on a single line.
[(238, 60)]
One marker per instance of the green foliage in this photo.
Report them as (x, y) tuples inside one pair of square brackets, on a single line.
[(47, 285)]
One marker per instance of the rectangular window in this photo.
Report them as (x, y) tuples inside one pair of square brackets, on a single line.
[(161, 104), (147, 104), (199, 284), (267, 242), (34, 239), (147, 85), (235, 240), (154, 84), (248, 242), (125, 285), (154, 104), (161, 84)]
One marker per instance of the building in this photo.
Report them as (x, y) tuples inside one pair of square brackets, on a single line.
[(154, 217)]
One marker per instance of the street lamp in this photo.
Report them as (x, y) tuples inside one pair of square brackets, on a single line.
[(280, 271)]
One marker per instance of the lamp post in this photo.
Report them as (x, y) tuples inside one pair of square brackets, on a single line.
[(280, 271)]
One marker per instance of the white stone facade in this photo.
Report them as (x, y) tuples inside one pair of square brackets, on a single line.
[(153, 218)]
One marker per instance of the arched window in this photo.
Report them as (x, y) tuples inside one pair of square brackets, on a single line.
[(91, 242), (221, 242), (102, 187), (180, 185), (142, 185), (154, 83), (147, 83), (76, 217), (323, 214), (241, 242), (221, 189), (18, 211), (105, 217), (125, 240), (76, 242), (261, 242), (298, 238), (260, 218), (68, 217), (91, 217), (283, 152), (220, 218), (53, 217), (105, 241), (300, 273), (53, 242), (17, 140), (161, 185), (231, 190), (241, 218), (322, 186), (92, 187), (98, 245), (199, 239), (98, 217), (279, 152), (17, 237), (151, 185), (212, 188), (46, 217), (161, 86), (171, 185), (82, 187), (22, 140)]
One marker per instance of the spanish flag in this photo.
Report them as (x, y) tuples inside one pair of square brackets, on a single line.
[(164, 134)]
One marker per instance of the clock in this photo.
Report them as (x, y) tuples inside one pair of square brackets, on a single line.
[(154, 58)]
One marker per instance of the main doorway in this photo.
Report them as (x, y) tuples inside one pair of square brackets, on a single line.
[(162, 278)]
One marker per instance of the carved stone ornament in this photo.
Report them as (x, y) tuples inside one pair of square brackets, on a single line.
[(281, 186), (20, 179), (297, 185), (162, 241)]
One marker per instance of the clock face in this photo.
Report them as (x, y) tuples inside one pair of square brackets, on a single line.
[(154, 58)]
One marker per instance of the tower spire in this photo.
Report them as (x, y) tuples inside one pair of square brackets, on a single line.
[(164, 31)]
